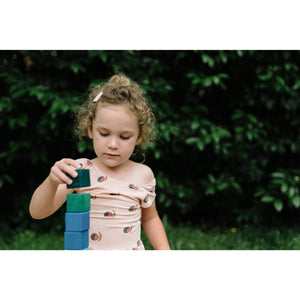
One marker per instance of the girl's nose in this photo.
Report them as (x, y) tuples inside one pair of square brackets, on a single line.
[(112, 143)]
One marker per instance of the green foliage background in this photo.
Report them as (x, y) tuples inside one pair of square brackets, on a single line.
[(228, 122)]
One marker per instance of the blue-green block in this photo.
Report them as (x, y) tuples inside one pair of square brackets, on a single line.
[(78, 202), (76, 240), (82, 180), (77, 221)]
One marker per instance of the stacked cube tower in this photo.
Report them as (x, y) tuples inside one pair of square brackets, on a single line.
[(77, 217)]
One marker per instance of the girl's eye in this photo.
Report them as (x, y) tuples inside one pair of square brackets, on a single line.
[(103, 134), (124, 137)]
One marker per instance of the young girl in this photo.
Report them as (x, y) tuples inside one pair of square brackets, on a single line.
[(119, 121)]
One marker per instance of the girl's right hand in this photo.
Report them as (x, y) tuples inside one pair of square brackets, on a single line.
[(58, 171)]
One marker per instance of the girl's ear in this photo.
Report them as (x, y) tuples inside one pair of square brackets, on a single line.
[(138, 141), (90, 132)]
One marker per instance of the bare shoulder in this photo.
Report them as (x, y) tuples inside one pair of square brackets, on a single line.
[(143, 173)]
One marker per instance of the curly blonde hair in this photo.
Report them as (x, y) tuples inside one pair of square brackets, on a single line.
[(119, 90)]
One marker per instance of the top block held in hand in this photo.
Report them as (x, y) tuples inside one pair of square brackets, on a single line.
[(82, 180)]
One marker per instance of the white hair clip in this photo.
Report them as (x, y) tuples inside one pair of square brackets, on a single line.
[(96, 99)]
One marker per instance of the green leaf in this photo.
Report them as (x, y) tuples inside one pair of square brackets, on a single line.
[(223, 57), (267, 199), (19, 93), (291, 191), (238, 114), (249, 135), (207, 139), (278, 205), (216, 80), (216, 137), (158, 154), (103, 56), (284, 188), (296, 86), (207, 82), (236, 186), (76, 67), (81, 146), (252, 118), (210, 190), (195, 125), (211, 178), (280, 80), (208, 60), (192, 140), (266, 76), (278, 175), (240, 53), (222, 186), (200, 145), (260, 192), (296, 201), (239, 129)]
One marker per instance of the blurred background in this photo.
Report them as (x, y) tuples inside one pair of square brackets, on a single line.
[(226, 158)]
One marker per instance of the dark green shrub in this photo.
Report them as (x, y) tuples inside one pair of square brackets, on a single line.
[(227, 121)]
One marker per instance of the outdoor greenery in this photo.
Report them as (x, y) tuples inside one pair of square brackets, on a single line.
[(228, 143), (180, 238)]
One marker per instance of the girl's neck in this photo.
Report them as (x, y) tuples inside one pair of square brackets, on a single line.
[(118, 172)]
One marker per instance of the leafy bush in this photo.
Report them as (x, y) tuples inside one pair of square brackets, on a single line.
[(227, 121), (283, 188)]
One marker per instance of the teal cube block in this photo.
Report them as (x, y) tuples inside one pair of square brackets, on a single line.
[(78, 202), (76, 240), (82, 180), (77, 221)]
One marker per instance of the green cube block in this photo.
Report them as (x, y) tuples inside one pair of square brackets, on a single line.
[(78, 202), (82, 180)]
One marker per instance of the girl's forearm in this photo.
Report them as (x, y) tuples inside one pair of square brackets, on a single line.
[(156, 234), (51, 194), (42, 201)]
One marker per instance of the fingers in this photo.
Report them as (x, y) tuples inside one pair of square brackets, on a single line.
[(73, 163), (61, 168)]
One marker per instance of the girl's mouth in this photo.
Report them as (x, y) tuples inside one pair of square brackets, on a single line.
[(111, 155)]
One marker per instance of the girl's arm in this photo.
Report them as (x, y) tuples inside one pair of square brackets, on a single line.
[(154, 228), (52, 193)]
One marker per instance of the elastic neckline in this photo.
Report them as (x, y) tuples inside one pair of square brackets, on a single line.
[(153, 181)]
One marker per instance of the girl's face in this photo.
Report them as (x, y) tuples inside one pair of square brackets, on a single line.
[(115, 133)]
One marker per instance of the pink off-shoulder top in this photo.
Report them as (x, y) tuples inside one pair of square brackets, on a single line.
[(116, 210)]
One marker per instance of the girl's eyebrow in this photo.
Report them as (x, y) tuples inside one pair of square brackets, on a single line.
[(99, 127), (128, 131)]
